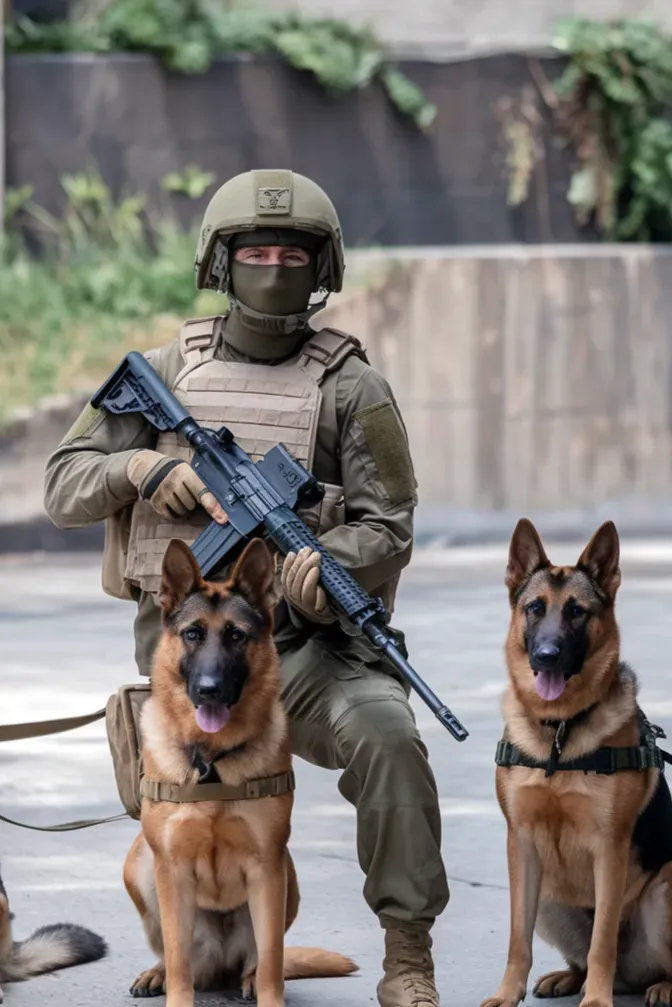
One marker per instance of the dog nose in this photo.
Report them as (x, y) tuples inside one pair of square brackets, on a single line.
[(547, 654), (208, 688)]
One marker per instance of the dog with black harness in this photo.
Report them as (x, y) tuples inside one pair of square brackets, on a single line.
[(580, 782)]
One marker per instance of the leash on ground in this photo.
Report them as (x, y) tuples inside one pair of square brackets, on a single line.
[(85, 823), (40, 729)]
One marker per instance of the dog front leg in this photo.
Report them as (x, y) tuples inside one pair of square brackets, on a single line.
[(267, 898), (524, 886), (6, 943), (176, 893), (611, 869)]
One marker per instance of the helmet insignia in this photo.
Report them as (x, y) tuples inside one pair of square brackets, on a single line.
[(274, 200)]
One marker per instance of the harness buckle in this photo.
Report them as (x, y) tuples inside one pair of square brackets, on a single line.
[(606, 762), (503, 754), (253, 789)]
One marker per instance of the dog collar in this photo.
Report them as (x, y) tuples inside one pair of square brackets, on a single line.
[(604, 761)]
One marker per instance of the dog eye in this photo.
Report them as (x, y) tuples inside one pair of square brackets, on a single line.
[(536, 607), (193, 634), (574, 611), (238, 635)]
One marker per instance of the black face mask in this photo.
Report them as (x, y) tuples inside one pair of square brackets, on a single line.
[(273, 290)]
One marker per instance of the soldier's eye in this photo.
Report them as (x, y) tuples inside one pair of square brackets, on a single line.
[(296, 258)]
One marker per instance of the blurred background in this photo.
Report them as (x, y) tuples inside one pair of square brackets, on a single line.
[(503, 173)]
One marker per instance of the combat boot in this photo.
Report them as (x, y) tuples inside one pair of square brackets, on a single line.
[(409, 971)]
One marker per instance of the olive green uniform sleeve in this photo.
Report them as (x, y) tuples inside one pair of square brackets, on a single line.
[(379, 484), (85, 476)]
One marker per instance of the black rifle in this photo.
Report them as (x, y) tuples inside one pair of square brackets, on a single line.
[(257, 497)]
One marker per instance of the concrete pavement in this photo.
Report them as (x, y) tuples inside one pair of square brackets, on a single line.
[(65, 647)]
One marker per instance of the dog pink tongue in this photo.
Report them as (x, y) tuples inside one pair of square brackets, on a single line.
[(212, 718), (550, 684)]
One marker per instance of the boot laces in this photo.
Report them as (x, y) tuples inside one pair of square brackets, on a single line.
[(410, 957)]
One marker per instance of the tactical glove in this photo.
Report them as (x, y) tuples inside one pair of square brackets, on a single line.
[(171, 486), (300, 585)]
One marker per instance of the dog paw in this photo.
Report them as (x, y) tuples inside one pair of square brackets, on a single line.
[(501, 1002), (150, 983), (660, 993), (564, 983), (248, 985), (597, 1002)]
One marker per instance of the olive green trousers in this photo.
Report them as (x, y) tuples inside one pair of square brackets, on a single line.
[(349, 712)]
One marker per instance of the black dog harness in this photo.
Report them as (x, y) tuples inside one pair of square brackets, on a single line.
[(604, 761)]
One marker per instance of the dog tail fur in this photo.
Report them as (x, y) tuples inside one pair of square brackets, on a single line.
[(58, 946), (315, 963)]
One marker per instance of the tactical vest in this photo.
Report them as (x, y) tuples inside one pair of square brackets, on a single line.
[(263, 405)]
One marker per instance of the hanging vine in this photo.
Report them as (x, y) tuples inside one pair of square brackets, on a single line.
[(613, 103), (188, 35)]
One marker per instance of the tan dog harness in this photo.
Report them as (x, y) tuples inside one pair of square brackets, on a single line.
[(269, 786), (122, 715)]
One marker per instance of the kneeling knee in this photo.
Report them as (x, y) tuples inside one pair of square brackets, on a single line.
[(384, 731)]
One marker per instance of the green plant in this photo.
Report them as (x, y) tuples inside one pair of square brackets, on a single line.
[(614, 104), (521, 124), (191, 182), (108, 279), (92, 218), (16, 199), (189, 34)]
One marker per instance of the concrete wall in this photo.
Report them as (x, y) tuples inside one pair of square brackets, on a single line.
[(25, 445), (391, 184), (465, 27), (529, 378)]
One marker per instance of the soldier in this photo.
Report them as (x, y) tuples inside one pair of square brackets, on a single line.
[(271, 240)]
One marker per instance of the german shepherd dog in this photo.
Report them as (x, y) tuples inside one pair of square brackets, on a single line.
[(213, 881), (589, 855), (58, 946)]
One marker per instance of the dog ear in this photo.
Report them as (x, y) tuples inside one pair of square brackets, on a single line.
[(180, 575), (526, 555), (254, 576), (601, 559)]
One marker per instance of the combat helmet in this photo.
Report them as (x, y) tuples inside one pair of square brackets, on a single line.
[(263, 200)]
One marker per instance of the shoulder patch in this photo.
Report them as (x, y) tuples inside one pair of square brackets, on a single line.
[(85, 424), (386, 440)]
